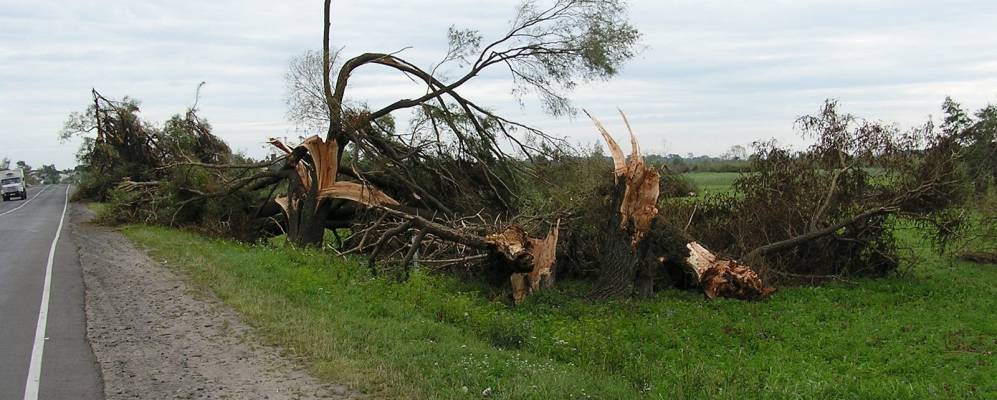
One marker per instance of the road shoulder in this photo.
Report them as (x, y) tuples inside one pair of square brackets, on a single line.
[(154, 339)]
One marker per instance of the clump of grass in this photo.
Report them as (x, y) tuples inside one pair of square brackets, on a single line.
[(926, 334)]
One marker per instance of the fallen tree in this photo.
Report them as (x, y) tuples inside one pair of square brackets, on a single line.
[(636, 247), (457, 145), (527, 263)]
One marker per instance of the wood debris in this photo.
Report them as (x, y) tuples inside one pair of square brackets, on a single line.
[(536, 257), (725, 278)]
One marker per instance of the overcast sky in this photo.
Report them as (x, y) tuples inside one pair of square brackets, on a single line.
[(712, 73)]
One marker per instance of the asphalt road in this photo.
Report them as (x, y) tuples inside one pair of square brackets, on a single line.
[(57, 363)]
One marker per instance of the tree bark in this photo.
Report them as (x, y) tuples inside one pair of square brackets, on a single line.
[(618, 260), (625, 270)]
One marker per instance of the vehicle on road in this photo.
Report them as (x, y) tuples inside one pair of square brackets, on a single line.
[(12, 182)]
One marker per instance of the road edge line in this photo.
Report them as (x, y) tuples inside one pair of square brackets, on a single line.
[(33, 383)]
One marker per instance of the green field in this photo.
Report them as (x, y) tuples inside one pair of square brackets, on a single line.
[(711, 182), (930, 332)]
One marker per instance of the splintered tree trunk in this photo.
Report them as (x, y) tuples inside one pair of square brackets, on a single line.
[(313, 184), (628, 262), (725, 278), (624, 269), (627, 268), (532, 259), (306, 226), (306, 216)]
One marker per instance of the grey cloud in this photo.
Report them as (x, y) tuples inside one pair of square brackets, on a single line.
[(714, 73)]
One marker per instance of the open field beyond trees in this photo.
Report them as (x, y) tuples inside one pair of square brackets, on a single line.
[(711, 182), (926, 332)]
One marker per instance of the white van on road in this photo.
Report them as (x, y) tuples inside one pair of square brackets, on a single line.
[(12, 182)]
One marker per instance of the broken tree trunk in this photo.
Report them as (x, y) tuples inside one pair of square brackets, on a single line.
[(629, 262), (529, 261), (626, 264), (536, 256), (315, 165), (725, 278)]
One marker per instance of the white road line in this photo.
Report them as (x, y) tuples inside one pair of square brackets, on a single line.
[(31, 386), (26, 202)]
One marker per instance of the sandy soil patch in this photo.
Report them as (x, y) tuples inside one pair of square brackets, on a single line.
[(154, 339)]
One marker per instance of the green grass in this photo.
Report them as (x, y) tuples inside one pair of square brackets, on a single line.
[(711, 182), (929, 333)]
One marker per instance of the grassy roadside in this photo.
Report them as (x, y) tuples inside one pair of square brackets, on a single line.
[(928, 334)]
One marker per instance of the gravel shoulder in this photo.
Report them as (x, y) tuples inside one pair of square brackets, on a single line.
[(155, 338)]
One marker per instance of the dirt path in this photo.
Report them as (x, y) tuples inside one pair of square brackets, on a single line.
[(154, 340)]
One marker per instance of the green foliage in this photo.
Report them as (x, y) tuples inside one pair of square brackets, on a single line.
[(555, 46), (188, 138), (676, 185), (978, 138), (159, 176), (433, 336), (116, 145), (576, 190), (565, 184), (981, 228), (791, 194)]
